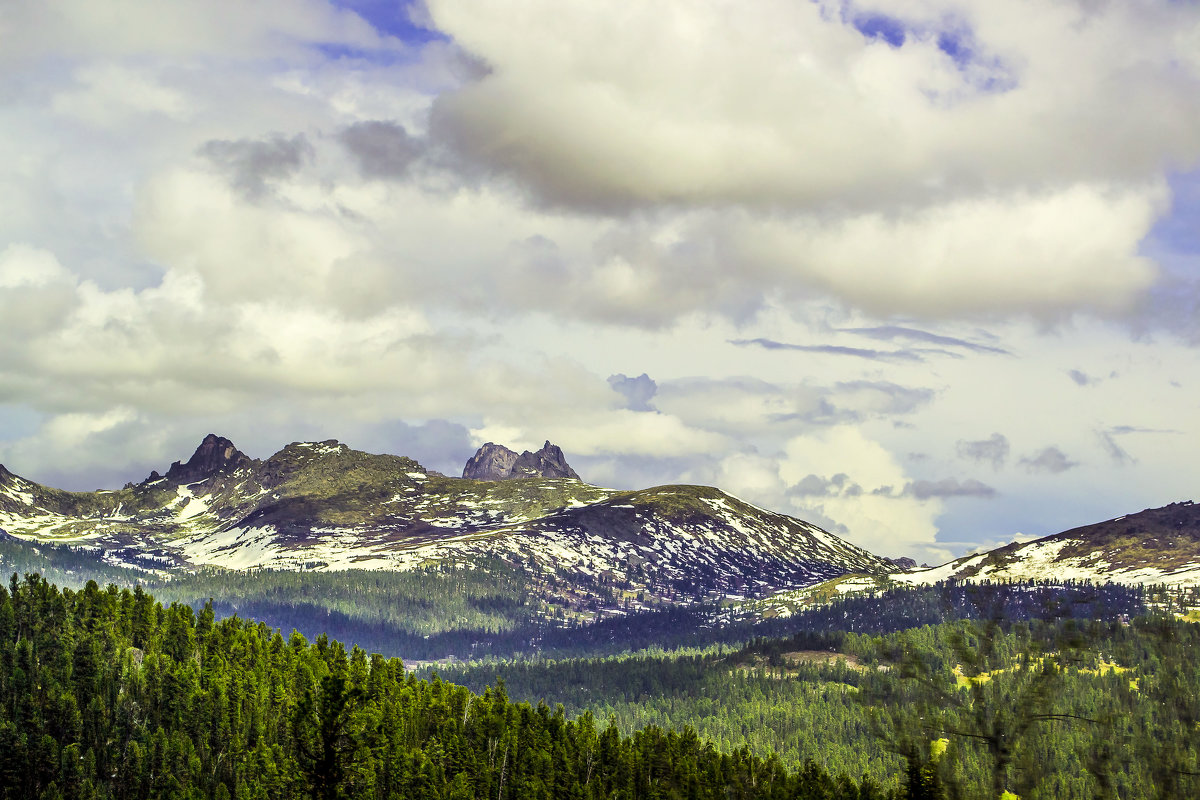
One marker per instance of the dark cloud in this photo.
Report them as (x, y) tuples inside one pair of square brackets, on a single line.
[(948, 487), (382, 149), (811, 486), (1117, 453), (251, 163), (638, 392), (1050, 459), (994, 449), (1081, 378), (893, 332), (816, 486), (1121, 430), (830, 349)]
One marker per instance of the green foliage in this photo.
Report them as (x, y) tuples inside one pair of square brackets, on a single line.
[(1064, 708), (201, 708)]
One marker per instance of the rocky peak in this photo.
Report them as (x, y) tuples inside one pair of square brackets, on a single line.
[(495, 462), (215, 454)]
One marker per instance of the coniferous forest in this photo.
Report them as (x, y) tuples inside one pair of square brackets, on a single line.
[(1026, 691)]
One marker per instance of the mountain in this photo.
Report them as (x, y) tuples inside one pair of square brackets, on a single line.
[(495, 462), (323, 506), (1155, 546)]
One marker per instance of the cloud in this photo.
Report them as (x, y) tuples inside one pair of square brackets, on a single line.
[(638, 392), (753, 407), (994, 449), (1072, 247), (606, 433), (948, 487), (841, 477), (828, 349), (107, 95), (1049, 459), (383, 149), (813, 485), (1080, 378), (893, 332), (946, 173), (693, 104), (251, 164), (1117, 453), (184, 29)]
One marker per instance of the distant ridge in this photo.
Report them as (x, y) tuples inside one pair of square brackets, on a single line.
[(1157, 545)]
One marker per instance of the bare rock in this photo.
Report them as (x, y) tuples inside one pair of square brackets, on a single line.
[(495, 462), (215, 455)]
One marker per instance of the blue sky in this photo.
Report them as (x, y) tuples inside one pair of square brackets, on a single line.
[(925, 273)]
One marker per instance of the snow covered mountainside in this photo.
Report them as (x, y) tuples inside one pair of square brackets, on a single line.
[(323, 506), (1155, 546)]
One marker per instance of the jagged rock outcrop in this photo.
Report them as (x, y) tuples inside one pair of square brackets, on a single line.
[(215, 455), (495, 462), (492, 462)]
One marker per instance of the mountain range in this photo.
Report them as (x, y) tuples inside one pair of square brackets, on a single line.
[(324, 506)]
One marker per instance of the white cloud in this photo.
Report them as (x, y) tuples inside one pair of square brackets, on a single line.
[(110, 93), (183, 29), (788, 103), (866, 496), (587, 432), (1046, 253)]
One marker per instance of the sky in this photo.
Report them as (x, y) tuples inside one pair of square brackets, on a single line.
[(923, 272)]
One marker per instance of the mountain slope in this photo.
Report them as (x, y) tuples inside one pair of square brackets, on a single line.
[(1158, 545), (324, 506)]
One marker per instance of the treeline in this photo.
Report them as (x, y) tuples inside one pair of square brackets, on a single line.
[(1062, 708), (797, 712), (109, 694)]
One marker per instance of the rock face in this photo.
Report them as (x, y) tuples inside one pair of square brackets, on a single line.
[(492, 462), (215, 454), (495, 462)]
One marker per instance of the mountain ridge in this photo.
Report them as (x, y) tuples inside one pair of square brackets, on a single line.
[(325, 506), (1153, 546)]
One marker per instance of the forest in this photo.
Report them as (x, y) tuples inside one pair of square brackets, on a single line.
[(1034, 693)]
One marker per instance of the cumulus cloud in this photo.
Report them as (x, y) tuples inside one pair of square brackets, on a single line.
[(994, 449), (793, 104), (1049, 459), (840, 475), (1041, 252), (912, 178)]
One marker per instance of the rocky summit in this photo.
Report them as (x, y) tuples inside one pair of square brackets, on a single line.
[(495, 462), (216, 454)]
